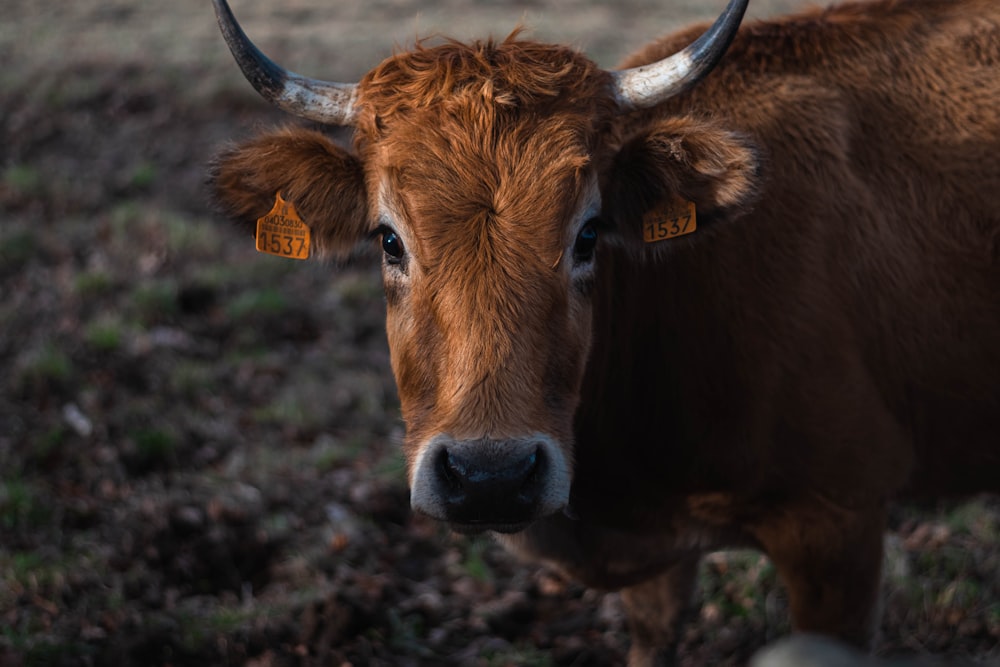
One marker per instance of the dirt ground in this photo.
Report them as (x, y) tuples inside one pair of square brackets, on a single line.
[(199, 459)]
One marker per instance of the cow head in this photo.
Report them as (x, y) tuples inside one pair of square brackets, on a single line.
[(483, 172)]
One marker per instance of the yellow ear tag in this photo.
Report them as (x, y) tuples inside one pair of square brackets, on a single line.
[(282, 232), (668, 219)]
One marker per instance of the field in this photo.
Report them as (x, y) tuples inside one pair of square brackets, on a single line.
[(199, 460)]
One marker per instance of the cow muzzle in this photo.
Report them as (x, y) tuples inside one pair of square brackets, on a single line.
[(486, 484)]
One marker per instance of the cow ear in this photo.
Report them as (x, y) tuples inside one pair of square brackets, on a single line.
[(324, 182), (681, 159)]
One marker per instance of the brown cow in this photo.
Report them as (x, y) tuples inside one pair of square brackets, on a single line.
[(826, 339)]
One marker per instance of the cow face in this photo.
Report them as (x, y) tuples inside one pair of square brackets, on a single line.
[(479, 172), (487, 204)]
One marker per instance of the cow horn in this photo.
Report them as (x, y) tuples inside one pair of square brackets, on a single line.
[(323, 101), (648, 85)]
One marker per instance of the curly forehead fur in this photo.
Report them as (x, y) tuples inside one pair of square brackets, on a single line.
[(465, 134), (503, 76)]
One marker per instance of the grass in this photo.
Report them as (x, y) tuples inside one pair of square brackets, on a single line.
[(23, 505), (329, 452), (391, 466), (285, 410), (20, 569), (136, 228), (519, 655), (741, 585), (407, 634), (32, 574), (257, 303), (192, 237), (39, 650), (155, 448), (105, 334), (23, 179), (249, 270), (143, 175), (973, 519), (474, 562), (154, 301), (93, 284), (46, 443), (48, 365), (358, 289), (189, 378), (17, 248), (198, 628)]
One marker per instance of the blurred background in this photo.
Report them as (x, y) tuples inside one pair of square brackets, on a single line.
[(199, 456)]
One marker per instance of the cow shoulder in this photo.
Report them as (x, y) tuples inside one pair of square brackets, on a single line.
[(325, 183)]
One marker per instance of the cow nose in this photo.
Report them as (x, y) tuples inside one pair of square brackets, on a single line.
[(487, 485), (470, 480)]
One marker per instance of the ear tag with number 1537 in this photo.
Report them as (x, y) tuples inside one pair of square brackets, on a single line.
[(282, 232), (668, 219)]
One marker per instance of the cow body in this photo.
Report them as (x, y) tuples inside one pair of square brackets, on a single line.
[(826, 341), (842, 339)]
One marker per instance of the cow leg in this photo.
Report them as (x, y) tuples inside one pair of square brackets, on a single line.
[(831, 563), (656, 610)]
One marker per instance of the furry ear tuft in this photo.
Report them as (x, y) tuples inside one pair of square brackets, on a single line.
[(717, 169), (324, 182)]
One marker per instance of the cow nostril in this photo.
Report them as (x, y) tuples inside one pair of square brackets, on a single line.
[(534, 467), (531, 466), (450, 470)]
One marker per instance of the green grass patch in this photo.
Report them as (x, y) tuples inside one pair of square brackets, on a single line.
[(190, 378), (49, 364), (188, 236), (37, 650), (407, 634), (974, 519), (248, 271), (947, 563), (258, 302), (17, 248), (154, 301), (474, 560), (521, 654), (47, 443), (299, 405), (143, 175), (201, 628), (993, 615), (329, 452), (22, 505), (391, 466), (155, 447), (105, 334), (358, 288), (31, 573), (737, 584), (229, 619), (961, 594), (93, 283), (23, 179), (123, 218), (21, 566)]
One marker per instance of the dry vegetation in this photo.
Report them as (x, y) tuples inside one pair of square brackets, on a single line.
[(198, 444)]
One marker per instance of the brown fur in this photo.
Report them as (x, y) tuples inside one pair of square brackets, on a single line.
[(828, 340)]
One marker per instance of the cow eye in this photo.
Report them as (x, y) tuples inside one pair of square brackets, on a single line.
[(586, 242), (392, 247)]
